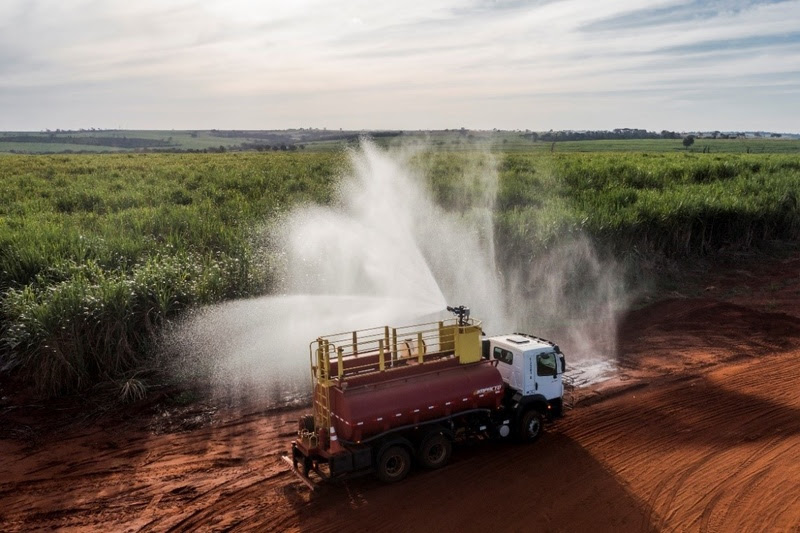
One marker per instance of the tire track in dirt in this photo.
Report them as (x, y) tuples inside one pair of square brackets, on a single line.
[(223, 500), (160, 472), (716, 441)]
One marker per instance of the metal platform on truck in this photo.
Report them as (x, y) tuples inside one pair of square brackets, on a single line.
[(380, 355)]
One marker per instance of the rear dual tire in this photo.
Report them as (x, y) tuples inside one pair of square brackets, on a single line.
[(434, 452), (393, 464)]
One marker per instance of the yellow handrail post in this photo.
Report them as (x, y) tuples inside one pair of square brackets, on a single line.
[(327, 360), (394, 344), (386, 337), (355, 343), (381, 362), (319, 359), (420, 347), (339, 366)]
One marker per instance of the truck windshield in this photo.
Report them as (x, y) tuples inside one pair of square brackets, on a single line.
[(546, 364)]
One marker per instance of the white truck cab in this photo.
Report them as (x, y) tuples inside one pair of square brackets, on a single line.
[(530, 365)]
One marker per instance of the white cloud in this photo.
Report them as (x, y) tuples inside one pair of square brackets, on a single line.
[(413, 64)]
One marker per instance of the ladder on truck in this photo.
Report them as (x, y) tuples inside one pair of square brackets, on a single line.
[(322, 397)]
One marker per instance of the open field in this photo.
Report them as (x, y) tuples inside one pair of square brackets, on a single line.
[(98, 251), (54, 142), (699, 431), (756, 146), (324, 140), (178, 140), (515, 142), (46, 148)]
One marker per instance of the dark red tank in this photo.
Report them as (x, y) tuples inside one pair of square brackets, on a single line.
[(366, 406)]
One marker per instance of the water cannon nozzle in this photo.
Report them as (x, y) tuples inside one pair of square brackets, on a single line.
[(462, 312)]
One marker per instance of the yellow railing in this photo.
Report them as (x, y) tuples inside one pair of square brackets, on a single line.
[(385, 348)]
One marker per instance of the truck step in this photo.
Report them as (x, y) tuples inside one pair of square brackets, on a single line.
[(307, 481)]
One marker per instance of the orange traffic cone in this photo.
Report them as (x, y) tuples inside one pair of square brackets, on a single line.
[(335, 446)]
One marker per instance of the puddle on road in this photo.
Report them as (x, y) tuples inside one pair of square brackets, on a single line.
[(589, 372)]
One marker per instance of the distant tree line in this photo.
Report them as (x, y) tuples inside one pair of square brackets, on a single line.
[(269, 136), (115, 142), (304, 135), (634, 133), (600, 135), (274, 147)]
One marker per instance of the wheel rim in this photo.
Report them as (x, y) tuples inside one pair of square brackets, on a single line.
[(395, 465), (436, 453), (534, 426)]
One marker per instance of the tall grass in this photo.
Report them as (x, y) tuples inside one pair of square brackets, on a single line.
[(662, 204), (97, 252)]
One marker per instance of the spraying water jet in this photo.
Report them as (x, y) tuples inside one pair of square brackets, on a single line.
[(386, 252)]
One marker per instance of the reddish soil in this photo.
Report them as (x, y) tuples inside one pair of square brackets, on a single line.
[(700, 432)]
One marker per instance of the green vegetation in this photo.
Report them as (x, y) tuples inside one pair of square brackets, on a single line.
[(514, 143), (97, 252), (647, 204), (89, 141), (662, 204), (309, 139)]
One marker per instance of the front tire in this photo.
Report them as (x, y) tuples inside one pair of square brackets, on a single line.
[(435, 451), (530, 427), (393, 464)]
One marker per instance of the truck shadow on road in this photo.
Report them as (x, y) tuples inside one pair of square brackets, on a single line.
[(552, 485)]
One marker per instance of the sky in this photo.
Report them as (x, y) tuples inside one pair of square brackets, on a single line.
[(682, 65)]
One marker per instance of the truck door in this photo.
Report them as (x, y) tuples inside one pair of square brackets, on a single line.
[(548, 378), (530, 373), (508, 366)]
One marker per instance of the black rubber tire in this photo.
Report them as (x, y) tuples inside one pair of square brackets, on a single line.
[(435, 450), (393, 464), (530, 426)]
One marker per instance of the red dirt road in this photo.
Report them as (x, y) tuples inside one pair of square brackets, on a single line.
[(700, 432)]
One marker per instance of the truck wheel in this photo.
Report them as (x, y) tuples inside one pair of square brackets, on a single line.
[(435, 451), (393, 464), (530, 426)]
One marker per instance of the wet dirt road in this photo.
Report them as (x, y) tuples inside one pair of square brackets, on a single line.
[(699, 432)]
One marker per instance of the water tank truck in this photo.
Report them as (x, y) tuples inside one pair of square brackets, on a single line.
[(389, 398)]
